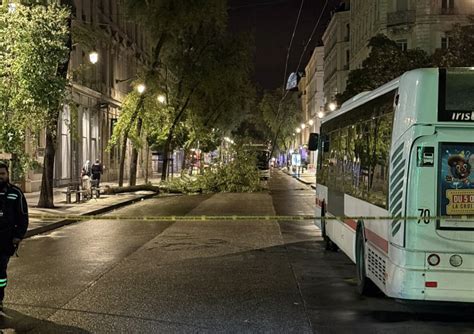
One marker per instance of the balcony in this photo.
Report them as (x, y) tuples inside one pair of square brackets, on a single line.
[(400, 18)]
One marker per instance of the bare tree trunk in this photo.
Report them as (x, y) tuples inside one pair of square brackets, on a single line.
[(147, 162), (46, 198), (122, 159), (134, 160), (124, 141)]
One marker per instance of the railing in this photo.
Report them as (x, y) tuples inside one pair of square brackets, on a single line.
[(400, 17)]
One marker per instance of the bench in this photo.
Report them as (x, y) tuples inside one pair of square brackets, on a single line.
[(70, 192)]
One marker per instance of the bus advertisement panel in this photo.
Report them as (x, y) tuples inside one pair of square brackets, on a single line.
[(457, 184)]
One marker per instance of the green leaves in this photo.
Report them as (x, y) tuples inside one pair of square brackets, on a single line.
[(385, 62), (460, 51), (32, 46)]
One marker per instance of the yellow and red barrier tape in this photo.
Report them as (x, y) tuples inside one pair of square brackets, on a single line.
[(47, 217)]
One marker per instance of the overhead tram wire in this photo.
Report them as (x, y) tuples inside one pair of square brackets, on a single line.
[(284, 78), (297, 69), (291, 42), (312, 35)]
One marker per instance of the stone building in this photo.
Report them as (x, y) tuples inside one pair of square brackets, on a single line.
[(337, 54), (312, 100), (97, 91), (412, 24)]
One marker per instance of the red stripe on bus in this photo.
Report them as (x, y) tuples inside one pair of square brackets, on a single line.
[(351, 223), (377, 240), (372, 237)]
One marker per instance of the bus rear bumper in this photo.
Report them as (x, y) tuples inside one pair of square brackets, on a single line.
[(431, 285)]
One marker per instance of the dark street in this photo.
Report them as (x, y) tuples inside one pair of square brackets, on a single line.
[(204, 276)]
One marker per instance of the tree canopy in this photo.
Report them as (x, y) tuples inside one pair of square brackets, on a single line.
[(385, 62), (32, 45)]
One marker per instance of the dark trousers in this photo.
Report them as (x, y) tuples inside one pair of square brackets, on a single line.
[(96, 180), (3, 274)]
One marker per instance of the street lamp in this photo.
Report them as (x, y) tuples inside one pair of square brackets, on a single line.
[(303, 126), (320, 114), (298, 130), (310, 122), (161, 98), (141, 88), (332, 106), (11, 7), (93, 57)]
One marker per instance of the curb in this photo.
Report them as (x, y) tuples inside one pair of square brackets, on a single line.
[(301, 180), (65, 222)]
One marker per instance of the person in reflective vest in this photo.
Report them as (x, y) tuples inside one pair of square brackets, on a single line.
[(13, 224)]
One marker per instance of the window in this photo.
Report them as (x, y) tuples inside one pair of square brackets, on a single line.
[(445, 4), (348, 58), (447, 7), (354, 157), (348, 32), (403, 44), (444, 42), (402, 5)]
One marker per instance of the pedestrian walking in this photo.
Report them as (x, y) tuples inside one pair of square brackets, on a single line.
[(86, 169), (97, 170), (13, 224)]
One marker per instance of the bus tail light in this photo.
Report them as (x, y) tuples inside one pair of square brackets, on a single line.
[(431, 284), (433, 260)]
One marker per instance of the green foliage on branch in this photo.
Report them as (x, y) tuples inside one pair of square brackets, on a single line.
[(32, 45), (239, 175), (386, 61), (460, 51), (280, 116)]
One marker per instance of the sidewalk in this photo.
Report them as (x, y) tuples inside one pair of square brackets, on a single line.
[(104, 203), (306, 177)]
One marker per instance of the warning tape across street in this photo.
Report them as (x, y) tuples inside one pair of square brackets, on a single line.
[(48, 217)]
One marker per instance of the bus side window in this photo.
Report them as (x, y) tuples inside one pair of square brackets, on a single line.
[(325, 143)]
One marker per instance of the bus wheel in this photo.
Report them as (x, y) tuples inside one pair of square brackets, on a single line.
[(364, 285), (328, 244)]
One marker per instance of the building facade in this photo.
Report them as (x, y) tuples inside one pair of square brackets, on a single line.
[(312, 101), (97, 91), (412, 24), (337, 54)]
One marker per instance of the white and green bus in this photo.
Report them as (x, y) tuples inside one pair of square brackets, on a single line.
[(399, 160)]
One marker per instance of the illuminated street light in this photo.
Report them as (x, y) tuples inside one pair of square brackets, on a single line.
[(310, 122), (141, 88), (93, 57), (11, 7), (320, 114), (303, 126), (161, 98), (332, 106), (298, 130)]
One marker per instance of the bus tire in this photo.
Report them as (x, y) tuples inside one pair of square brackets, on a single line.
[(329, 245), (365, 286)]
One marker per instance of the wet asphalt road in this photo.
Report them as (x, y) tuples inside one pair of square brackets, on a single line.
[(109, 276)]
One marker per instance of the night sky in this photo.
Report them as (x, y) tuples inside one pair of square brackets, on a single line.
[(272, 22)]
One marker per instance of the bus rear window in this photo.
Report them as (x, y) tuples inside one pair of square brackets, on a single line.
[(456, 95)]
